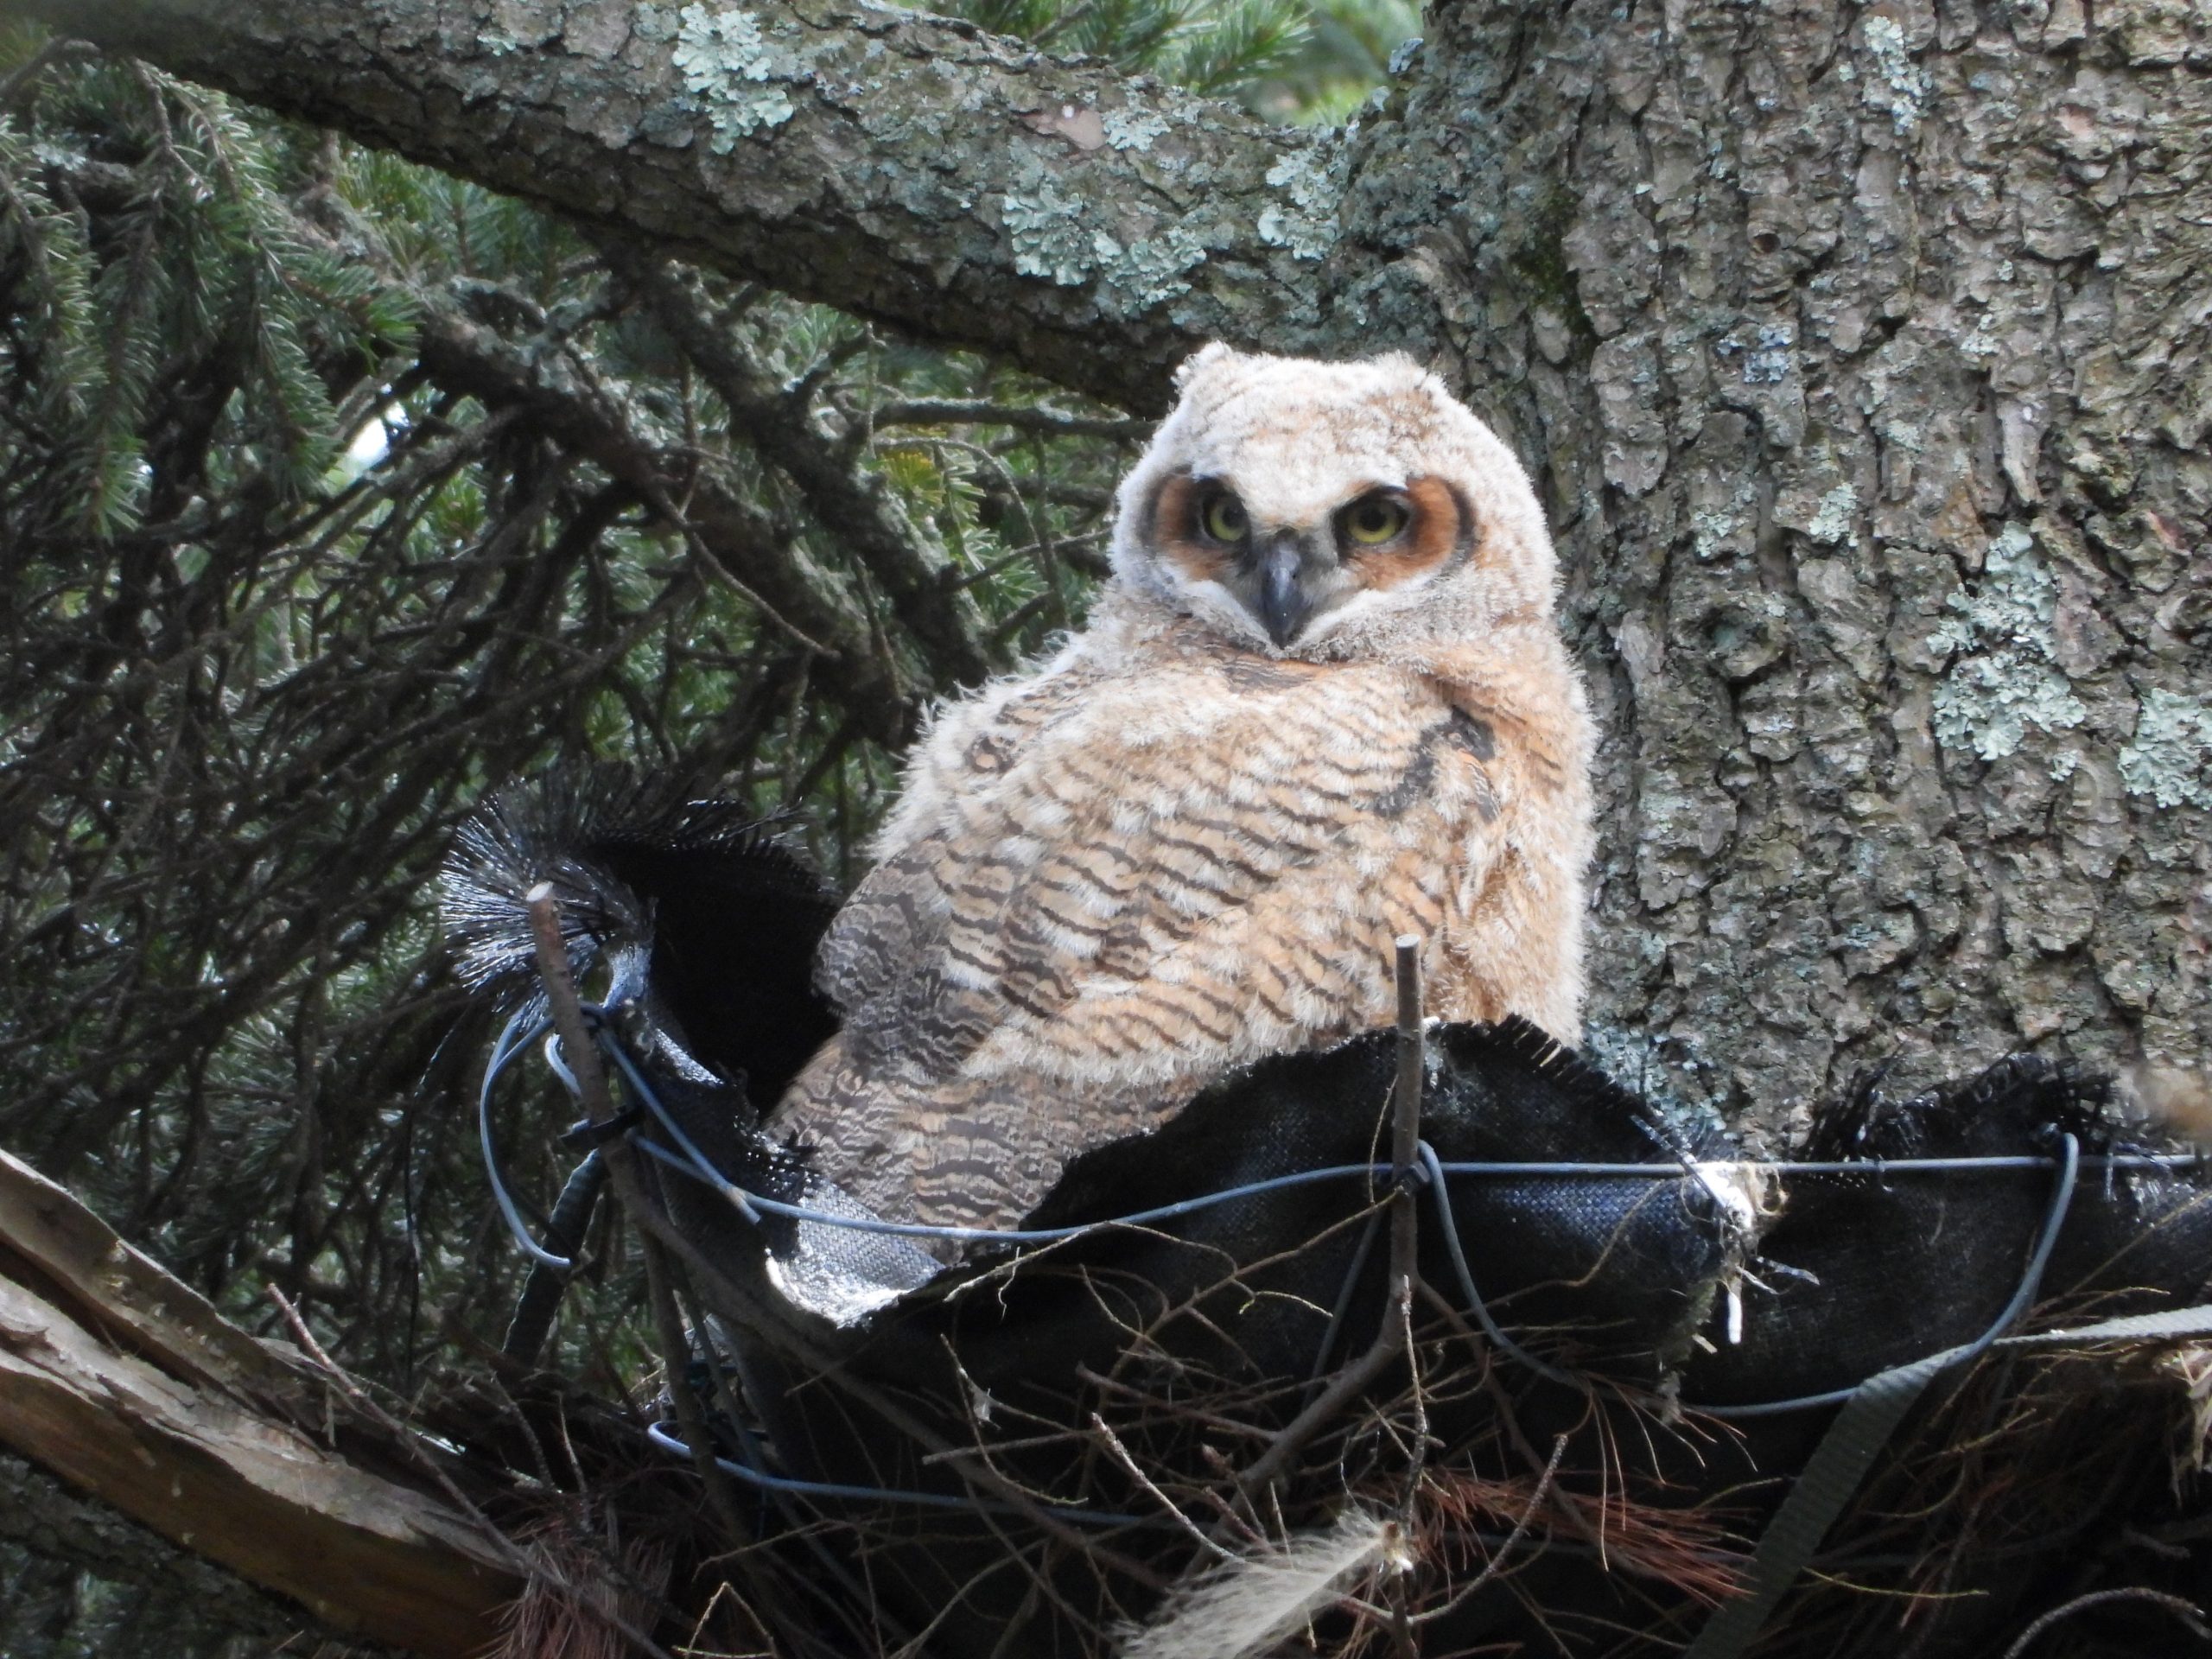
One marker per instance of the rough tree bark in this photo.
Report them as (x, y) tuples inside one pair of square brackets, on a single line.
[(1865, 351), (1860, 352)]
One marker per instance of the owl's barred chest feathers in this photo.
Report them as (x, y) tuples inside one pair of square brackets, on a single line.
[(1121, 879), (1222, 750), (1189, 842)]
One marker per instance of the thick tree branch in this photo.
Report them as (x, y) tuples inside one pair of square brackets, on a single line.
[(121, 1380), (908, 168)]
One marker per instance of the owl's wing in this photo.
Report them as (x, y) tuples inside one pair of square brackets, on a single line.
[(1178, 871), (885, 962)]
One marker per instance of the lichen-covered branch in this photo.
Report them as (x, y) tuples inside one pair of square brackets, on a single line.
[(905, 167)]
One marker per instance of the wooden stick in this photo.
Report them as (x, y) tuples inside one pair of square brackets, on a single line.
[(581, 1049), (125, 1382), (1405, 1246), (1394, 1335), (578, 1047), (1405, 1113)]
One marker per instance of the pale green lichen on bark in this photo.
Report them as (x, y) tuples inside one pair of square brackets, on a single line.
[(1311, 181), (1052, 240), (735, 73), (1928, 256), (1769, 355), (2005, 675), (1147, 271), (1709, 532), (2170, 759), (1670, 1075), (1048, 235), (1837, 515), (1133, 128), (1898, 85)]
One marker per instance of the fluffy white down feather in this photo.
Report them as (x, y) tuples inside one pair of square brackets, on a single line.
[(1242, 1608)]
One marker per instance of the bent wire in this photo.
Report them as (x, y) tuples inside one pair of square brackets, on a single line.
[(687, 1158), (508, 1046), (659, 1436)]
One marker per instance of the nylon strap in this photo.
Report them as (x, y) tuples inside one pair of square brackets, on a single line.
[(1861, 1429)]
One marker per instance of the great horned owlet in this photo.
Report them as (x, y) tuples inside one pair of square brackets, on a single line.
[(1322, 702)]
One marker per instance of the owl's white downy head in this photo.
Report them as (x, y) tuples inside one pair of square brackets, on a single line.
[(1326, 510)]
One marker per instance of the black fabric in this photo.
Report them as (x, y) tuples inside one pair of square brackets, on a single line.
[(1199, 1336), (1872, 1270), (735, 921), (727, 917)]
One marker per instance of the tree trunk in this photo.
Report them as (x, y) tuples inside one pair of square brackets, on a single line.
[(1861, 353)]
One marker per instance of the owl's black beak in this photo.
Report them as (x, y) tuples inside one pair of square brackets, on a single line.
[(1284, 602)]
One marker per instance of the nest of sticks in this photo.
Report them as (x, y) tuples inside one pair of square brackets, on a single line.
[(1535, 1370)]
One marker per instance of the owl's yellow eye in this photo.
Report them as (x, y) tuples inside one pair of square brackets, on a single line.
[(1374, 519), (1223, 519)]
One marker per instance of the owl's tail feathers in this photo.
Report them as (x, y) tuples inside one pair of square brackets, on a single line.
[(692, 907)]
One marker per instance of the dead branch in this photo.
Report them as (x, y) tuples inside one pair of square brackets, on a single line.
[(1393, 1338), (921, 588), (126, 1383), (737, 536)]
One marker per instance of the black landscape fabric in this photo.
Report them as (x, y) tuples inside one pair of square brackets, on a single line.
[(1134, 1368)]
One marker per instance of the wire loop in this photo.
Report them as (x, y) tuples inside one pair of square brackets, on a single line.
[(1428, 1172)]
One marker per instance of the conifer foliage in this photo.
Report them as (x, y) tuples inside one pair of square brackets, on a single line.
[(334, 494)]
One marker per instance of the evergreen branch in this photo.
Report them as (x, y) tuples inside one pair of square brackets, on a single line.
[(739, 539), (1243, 42), (1065, 241), (864, 519)]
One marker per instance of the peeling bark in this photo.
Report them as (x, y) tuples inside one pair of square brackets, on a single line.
[(124, 1382), (1861, 353)]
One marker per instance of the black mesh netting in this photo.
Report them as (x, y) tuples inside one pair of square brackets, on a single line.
[(1020, 1455)]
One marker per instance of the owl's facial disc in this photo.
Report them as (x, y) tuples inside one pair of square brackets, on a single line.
[(1291, 581)]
